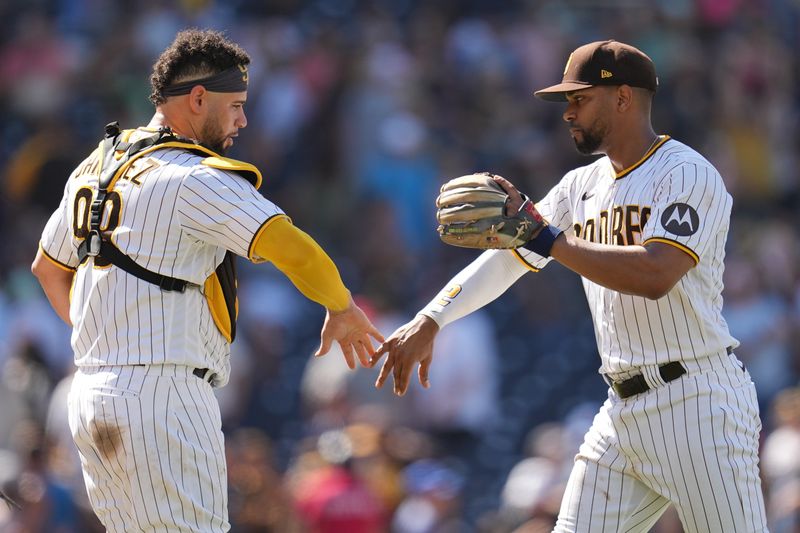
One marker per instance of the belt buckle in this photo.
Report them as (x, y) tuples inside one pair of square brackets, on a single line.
[(611, 383)]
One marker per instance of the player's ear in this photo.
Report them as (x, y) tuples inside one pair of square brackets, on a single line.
[(624, 97), (197, 98)]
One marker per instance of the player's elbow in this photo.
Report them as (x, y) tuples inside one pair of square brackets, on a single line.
[(47, 273), (37, 268), (657, 286), (662, 268), (656, 292)]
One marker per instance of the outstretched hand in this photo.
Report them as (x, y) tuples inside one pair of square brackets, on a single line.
[(410, 344), (352, 330)]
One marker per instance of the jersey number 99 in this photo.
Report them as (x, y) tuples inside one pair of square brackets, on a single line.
[(82, 211)]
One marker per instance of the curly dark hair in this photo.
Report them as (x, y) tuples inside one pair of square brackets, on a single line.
[(194, 54)]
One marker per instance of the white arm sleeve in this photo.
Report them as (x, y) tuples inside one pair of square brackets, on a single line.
[(481, 282)]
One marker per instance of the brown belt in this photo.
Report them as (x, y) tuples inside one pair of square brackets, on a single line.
[(204, 373), (637, 384)]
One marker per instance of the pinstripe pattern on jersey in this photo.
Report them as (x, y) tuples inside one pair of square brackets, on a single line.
[(685, 324), (645, 157), (177, 219), (56, 262), (57, 238), (692, 442), (149, 437), (677, 245)]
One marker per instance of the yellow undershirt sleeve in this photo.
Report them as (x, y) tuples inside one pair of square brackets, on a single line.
[(304, 262)]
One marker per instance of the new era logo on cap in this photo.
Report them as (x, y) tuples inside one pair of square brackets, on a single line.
[(603, 63)]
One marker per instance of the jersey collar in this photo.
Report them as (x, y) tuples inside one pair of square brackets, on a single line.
[(645, 157)]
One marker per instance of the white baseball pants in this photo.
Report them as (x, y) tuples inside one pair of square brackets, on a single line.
[(151, 446), (692, 442)]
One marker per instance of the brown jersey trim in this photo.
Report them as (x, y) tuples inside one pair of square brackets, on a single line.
[(650, 152), (55, 261), (677, 245), (524, 261)]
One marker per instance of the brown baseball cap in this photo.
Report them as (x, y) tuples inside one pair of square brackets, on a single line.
[(603, 63)]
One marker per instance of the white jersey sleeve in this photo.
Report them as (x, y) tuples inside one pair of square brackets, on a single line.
[(555, 207), (223, 209), (478, 284), (690, 208), (56, 240)]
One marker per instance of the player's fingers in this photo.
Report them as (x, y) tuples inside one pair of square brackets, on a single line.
[(366, 342), (514, 197), (347, 351), (385, 369), (505, 184), (376, 334), (424, 367), (384, 348), (363, 354), (396, 368), (400, 377), (405, 379)]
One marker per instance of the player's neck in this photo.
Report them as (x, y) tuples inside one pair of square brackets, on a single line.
[(160, 119), (626, 153)]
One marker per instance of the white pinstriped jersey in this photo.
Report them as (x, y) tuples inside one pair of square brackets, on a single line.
[(673, 195), (177, 218)]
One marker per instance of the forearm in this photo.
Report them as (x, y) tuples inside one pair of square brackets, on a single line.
[(481, 282), (305, 263), (649, 271), (58, 296), (56, 281)]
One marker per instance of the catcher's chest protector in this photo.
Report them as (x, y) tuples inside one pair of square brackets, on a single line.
[(117, 156)]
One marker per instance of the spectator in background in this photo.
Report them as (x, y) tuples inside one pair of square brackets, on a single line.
[(330, 497), (781, 463), (259, 501), (760, 319), (433, 503), (63, 463), (534, 486), (42, 505), (463, 406), (342, 70), (403, 173)]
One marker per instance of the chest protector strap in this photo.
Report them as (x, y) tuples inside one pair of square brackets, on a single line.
[(116, 154)]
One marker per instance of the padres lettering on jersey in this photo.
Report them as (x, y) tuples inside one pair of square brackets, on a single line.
[(674, 196), (621, 225), (174, 215)]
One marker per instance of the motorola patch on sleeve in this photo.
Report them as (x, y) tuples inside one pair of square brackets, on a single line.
[(680, 219)]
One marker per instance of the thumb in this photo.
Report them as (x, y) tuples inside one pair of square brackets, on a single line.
[(325, 345)]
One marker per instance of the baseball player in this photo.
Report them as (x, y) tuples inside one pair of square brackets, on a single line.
[(138, 258), (645, 226)]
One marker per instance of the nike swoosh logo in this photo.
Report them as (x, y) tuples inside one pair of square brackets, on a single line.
[(586, 196)]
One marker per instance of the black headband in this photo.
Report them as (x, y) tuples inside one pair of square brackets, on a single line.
[(232, 80)]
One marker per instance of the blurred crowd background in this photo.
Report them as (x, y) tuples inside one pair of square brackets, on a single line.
[(358, 111)]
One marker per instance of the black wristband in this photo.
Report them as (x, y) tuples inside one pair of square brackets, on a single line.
[(543, 243)]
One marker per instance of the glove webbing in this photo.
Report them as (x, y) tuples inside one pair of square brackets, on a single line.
[(94, 244)]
